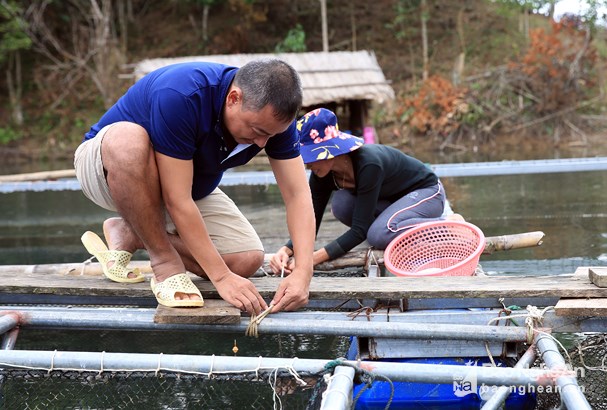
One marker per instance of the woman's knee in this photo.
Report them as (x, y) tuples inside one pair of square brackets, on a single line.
[(379, 240)]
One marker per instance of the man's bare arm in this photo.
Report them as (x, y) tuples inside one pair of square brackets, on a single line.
[(292, 182), (176, 182)]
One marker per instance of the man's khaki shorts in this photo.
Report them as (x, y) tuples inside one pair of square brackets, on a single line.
[(228, 228)]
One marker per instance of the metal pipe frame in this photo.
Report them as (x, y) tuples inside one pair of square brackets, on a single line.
[(498, 398), (277, 324), (570, 391), (8, 321), (217, 365), (339, 389), (143, 318), (10, 339)]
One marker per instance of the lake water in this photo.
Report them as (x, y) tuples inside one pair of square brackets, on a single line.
[(45, 227)]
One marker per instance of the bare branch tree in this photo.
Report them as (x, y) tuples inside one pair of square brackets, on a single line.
[(91, 51)]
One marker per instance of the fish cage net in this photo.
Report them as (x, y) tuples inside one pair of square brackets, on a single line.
[(589, 361), (590, 356), (41, 389)]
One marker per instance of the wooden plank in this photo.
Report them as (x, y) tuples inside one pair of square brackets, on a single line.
[(598, 276), (214, 311), (582, 307), (38, 281)]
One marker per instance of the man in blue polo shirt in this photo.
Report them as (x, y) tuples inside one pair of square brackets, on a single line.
[(157, 157)]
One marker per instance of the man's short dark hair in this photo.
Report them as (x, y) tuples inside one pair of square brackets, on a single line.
[(270, 81)]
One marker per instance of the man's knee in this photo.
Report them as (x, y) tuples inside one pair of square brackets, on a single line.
[(124, 143), (244, 264)]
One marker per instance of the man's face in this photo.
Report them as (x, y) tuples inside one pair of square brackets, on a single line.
[(250, 127)]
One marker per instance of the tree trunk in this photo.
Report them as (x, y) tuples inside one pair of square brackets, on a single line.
[(14, 83), (205, 23), (325, 30), (424, 19), (353, 25), (123, 23), (460, 61), (551, 9)]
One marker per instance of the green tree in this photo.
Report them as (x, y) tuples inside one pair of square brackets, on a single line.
[(13, 39), (294, 42)]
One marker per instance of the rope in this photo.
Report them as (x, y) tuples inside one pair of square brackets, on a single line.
[(368, 378), (273, 386), (282, 272), (86, 262), (52, 362), (580, 351), (292, 372), (101, 365), (534, 317), (264, 272), (252, 328), (157, 367), (365, 309)]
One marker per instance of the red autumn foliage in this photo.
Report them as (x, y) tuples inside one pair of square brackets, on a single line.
[(556, 71), (436, 108)]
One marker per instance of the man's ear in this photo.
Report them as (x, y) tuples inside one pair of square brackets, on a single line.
[(234, 96)]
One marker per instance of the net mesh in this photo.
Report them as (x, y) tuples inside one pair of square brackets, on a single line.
[(37, 389), (590, 354), (589, 360)]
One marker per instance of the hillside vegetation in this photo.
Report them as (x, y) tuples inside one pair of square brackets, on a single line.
[(490, 69)]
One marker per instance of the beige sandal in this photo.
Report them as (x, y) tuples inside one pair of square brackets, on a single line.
[(165, 291), (118, 272)]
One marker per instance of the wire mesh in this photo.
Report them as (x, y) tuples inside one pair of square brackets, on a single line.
[(590, 357), (36, 389), (589, 361)]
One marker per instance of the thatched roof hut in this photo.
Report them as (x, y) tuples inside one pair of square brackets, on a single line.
[(342, 81)]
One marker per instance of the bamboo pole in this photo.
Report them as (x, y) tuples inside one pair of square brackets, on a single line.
[(39, 176), (364, 258), (514, 241), (72, 269)]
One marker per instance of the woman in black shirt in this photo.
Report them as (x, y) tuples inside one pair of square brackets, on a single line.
[(378, 191)]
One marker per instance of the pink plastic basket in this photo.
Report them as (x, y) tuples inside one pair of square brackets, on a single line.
[(441, 248)]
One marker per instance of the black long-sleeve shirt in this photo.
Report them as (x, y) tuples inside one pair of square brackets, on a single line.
[(381, 173)]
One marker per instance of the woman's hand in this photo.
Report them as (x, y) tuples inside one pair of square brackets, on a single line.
[(280, 262)]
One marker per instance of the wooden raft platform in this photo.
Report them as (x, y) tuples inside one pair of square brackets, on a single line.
[(48, 280)]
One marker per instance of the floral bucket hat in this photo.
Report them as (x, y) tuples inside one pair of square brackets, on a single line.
[(320, 137)]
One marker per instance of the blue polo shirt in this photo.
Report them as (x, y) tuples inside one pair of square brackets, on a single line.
[(180, 106)]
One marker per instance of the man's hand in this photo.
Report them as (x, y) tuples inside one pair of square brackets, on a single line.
[(293, 291), (241, 293)]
